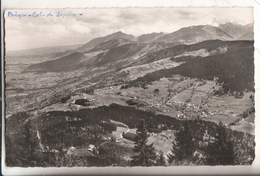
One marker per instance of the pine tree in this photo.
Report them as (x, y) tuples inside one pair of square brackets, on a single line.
[(183, 146), (160, 161), (221, 151), (145, 153), (29, 143), (22, 148)]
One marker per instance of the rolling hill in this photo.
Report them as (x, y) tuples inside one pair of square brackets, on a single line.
[(110, 44), (234, 69), (247, 36), (114, 53), (67, 63), (127, 54), (207, 47), (100, 43), (99, 40)]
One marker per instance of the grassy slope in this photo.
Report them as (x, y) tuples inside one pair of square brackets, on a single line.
[(69, 62), (179, 49), (234, 68)]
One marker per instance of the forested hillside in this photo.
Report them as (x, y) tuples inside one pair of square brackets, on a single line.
[(234, 70)]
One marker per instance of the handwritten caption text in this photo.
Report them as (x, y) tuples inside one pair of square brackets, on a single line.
[(42, 14)]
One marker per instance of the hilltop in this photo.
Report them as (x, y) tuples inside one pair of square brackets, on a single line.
[(99, 40)]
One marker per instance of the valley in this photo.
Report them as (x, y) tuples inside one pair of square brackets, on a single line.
[(87, 100)]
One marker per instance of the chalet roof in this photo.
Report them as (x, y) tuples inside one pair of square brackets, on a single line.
[(201, 152)]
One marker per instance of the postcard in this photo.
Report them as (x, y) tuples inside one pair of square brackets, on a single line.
[(127, 87)]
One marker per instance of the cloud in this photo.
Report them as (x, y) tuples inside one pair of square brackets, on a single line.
[(79, 28), (31, 32)]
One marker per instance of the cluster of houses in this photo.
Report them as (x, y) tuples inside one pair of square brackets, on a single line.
[(160, 107), (173, 92), (202, 109), (203, 90)]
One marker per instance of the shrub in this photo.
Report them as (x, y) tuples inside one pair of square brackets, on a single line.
[(64, 99), (109, 127), (156, 91), (130, 136), (83, 102), (97, 161), (132, 102)]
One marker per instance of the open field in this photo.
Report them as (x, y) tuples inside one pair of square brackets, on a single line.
[(223, 118), (250, 118), (244, 127), (225, 108), (196, 99), (182, 96), (162, 141), (141, 70)]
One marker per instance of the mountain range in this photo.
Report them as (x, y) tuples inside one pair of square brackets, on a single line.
[(194, 34), (120, 50), (186, 35)]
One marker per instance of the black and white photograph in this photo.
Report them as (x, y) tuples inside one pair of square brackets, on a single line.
[(126, 87)]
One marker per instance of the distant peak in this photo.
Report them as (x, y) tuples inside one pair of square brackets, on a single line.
[(230, 24), (157, 33), (225, 24), (119, 33)]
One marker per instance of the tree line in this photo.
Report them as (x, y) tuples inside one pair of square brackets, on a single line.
[(234, 70), (219, 152), (60, 130)]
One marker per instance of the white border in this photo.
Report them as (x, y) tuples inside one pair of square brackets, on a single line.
[(33, 4)]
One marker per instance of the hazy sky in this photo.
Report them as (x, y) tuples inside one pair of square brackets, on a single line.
[(33, 32)]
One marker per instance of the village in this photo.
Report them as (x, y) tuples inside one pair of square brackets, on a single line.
[(178, 97)]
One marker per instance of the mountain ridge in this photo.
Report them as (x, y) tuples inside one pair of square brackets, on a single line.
[(146, 37), (195, 34), (92, 43), (238, 30), (149, 37), (208, 45)]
